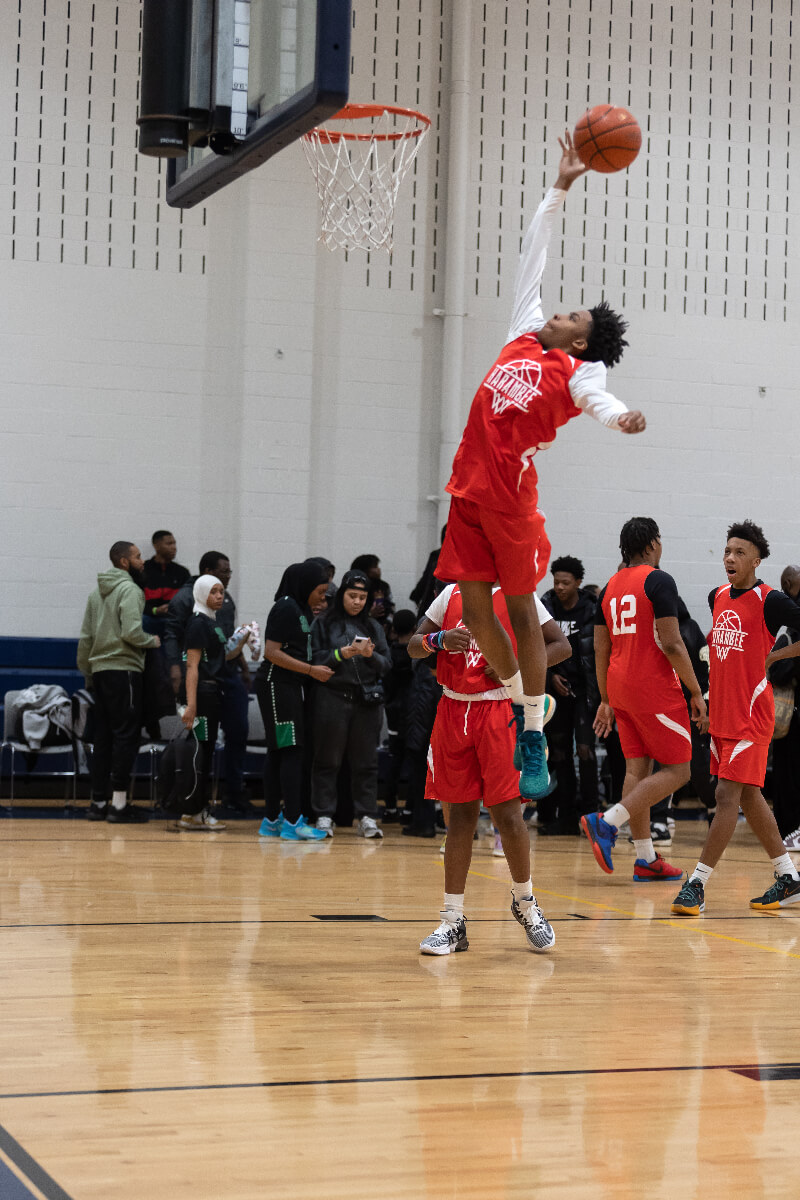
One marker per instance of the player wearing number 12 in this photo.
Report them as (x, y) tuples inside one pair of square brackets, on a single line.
[(640, 658)]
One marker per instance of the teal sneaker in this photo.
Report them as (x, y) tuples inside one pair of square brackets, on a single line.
[(519, 717), (301, 831), (270, 829), (534, 779)]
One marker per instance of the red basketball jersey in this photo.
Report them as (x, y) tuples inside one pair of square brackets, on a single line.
[(640, 678), (740, 703), (465, 673), (516, 411)]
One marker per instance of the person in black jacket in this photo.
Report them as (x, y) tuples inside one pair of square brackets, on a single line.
[(574, 685), (162, 579), (280, 686), (786, 750), (348, 711)]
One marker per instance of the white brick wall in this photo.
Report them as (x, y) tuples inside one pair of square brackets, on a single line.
[(218, 373)]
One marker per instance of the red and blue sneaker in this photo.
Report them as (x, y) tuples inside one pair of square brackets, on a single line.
[(602, 838), (645, 872)]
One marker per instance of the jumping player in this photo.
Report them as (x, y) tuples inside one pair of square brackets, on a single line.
[(546, 374), (640, 656), (470, 759), (747, 616)]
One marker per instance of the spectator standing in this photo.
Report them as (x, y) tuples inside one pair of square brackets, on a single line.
[(397, 686), (111, 657), (425, 589), (381, 603), (280, 687), (163, 578), (786, 749), (348, 711), (206, 657), (233, 685), (574, 684)]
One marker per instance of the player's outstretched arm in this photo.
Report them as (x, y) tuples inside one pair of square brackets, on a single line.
[(632, 422), (570, 168)]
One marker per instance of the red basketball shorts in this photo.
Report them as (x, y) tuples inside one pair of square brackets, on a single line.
[(489, 546), (471, 753), (739, 760), (665, 737)]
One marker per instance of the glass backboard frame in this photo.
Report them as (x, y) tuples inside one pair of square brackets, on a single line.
[(190, 183)]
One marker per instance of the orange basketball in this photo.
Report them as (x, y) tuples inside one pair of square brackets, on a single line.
[(607, 138)]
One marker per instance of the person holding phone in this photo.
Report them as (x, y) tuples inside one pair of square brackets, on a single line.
[(348, 711)]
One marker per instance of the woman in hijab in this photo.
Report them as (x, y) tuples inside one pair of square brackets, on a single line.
[(205, 655), (348, 713), (279, 686)]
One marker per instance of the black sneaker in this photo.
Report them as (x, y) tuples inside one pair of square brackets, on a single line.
[(660, 834), (129, 815), (784, 891), (97, 812), (690, 900)]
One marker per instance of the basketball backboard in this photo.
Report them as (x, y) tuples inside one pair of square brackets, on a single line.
[(261, 74)]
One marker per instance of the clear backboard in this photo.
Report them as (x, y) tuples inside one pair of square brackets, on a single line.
[(261, 73)]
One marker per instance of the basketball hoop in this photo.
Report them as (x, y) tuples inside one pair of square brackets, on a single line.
[(358, 166)]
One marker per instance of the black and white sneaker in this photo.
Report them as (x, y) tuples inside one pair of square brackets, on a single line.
[(660, 834), (446, 938), (538, 929)]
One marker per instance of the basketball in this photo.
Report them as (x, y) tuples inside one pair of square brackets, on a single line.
[(607, 138)]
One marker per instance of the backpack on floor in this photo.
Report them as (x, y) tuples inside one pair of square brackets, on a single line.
[(177, 772)]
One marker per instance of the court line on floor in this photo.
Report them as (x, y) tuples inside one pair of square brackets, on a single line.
[(687, 925), (277, 1084), (633, 919), (30, 1168)]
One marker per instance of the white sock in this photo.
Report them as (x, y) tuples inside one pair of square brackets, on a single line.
[(534, 712), (119, 800), (701, 872), (784, 866), (453, 907), (514, 685), (617, 815), (523, 892), (644, 849)]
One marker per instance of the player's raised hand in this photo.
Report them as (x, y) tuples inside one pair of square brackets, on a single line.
[(604, 721), (456, 640), (632, 422), (570, 168)]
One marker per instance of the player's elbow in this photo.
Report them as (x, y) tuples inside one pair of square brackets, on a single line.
[(672, 649)]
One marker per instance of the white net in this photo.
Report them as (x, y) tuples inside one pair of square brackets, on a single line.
[(359, 160)]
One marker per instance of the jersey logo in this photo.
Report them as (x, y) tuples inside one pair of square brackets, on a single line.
[(514, 385), (727, 634), (472, 654)]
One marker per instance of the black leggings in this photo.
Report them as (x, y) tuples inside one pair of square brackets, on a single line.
[(285, 778)]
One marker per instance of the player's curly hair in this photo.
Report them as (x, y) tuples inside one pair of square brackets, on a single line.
[(606, 342), (573, 566), (750, 532), (636, 535)]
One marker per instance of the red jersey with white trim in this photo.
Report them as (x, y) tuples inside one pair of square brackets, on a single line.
[(740, 703), (528, 394), (640, 677), (465, 672)]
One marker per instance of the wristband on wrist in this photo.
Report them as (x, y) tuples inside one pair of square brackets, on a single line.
[(434, 641), (337, 656)]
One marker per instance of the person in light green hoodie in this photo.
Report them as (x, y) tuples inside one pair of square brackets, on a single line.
[(111, 658)]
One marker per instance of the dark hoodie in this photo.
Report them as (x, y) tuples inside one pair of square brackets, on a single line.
[(578, 626), (336, 628)]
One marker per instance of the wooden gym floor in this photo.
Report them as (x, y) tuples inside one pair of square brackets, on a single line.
[(179, 1021)]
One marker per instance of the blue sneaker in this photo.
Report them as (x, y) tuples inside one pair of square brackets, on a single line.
[(269, 828), (602, 838), (519, 717), (534, 779), (301, 831)]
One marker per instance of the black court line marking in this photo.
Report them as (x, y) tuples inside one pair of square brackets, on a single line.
[(755, 916), (346, 917), (29, 1166), (745, 1069), (768, 1074)]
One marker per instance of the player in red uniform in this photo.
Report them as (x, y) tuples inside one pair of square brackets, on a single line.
[(547, 373), (470, 759), (641, 661), (747, 616)]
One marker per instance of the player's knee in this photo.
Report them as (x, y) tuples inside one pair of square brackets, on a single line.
[(508, 816)]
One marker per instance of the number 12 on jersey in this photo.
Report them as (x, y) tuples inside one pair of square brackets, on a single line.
[(623, 622)]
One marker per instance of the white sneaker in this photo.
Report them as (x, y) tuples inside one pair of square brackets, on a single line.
[(326, 825), (202, 821), (497, 849), (446, 938), (792, 840), (368, 828), (538, 929)]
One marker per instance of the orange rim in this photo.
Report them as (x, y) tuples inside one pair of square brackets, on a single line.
[(365, 112)]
